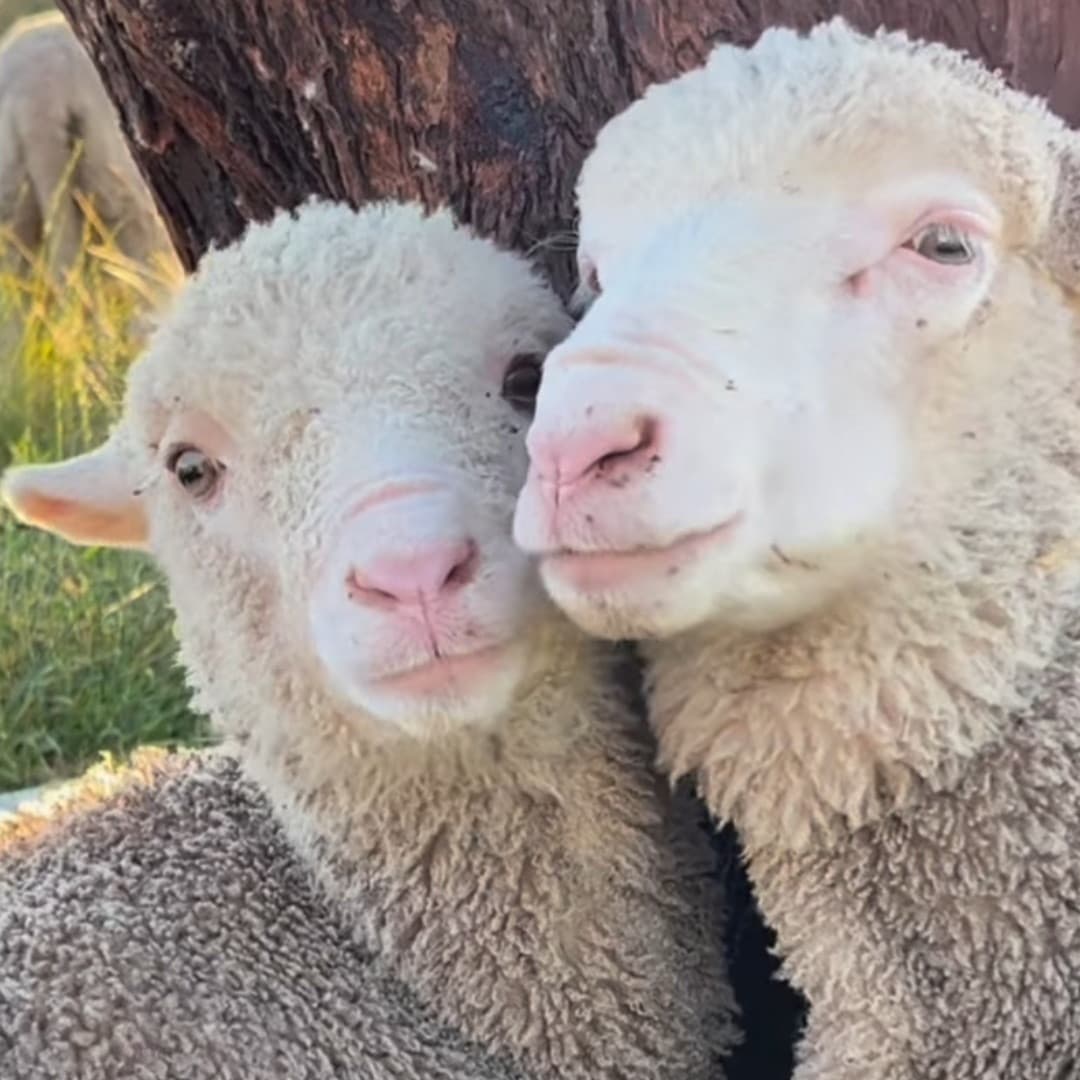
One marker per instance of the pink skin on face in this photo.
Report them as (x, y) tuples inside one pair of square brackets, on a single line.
[(695, 424), (407, 605), (599, 571), (416, 589), (436, 677)]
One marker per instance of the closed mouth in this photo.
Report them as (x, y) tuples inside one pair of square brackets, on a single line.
[(445, 672), (599, 571)]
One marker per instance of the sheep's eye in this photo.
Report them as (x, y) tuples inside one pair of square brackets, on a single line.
[(588, 277), (943, 244), (198, 474), (521, 382)]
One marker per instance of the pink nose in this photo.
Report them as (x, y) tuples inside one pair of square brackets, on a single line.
[(413, 577), (591, 452)]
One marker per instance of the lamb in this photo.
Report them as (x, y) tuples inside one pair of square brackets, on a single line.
[(816, 442), (60, 135), (322, 447)]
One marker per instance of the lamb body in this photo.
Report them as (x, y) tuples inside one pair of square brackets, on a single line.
[(156, 925), (324, 453), (59, 135), (845, 521)]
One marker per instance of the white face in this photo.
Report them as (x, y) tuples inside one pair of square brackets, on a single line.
[(328, 459), (728, 430), (385, 545)]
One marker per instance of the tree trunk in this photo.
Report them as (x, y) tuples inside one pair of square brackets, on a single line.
[(237, 107)]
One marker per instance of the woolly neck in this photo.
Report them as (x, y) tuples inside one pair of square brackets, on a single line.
[(801, 735), (534, 882)]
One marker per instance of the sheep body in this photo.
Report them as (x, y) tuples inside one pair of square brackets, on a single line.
[(526, 874), (943, 941), (885, 708), (222, 960), (52, 108)]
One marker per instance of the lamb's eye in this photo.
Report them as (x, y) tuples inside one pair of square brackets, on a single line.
[(943, 244), (197, 474), (521, 381)]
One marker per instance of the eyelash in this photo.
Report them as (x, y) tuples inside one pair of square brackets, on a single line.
[(172, 455)]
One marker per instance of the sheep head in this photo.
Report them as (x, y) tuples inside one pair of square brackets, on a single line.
[(321, 446), (813, 269)]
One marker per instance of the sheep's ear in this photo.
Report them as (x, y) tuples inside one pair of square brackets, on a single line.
[(1062, 246), (86, 499)]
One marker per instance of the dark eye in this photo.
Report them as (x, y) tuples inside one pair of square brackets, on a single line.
[(588, 276), (943, 244), (198, 474), (521, 382)]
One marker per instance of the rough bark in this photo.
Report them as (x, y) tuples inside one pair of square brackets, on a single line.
[(237, 107)]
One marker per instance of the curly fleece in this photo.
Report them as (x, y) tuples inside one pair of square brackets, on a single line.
[(904, 766), (160, 927)]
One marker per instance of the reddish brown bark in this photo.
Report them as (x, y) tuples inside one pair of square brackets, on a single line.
[(236, 107)]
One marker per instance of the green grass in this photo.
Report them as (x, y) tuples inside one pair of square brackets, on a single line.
[(10, 10), (87, 654)]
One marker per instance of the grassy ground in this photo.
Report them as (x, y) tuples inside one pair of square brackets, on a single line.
[(10, 10), (86, 646)]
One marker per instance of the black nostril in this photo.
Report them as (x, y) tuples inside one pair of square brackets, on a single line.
[(646, 440), (463, 571)]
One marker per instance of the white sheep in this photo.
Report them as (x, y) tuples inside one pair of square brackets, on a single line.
[(60, 136), (817, 440), (322, 448)]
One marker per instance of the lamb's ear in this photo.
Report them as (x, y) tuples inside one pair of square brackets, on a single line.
[(87, 499), (1062, 245)]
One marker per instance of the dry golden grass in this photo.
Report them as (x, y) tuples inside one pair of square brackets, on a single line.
[(87, 655)]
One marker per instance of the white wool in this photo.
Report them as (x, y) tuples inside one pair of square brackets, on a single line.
[(900, 460), (501, 844), (837, 313)]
